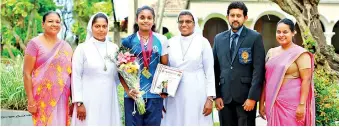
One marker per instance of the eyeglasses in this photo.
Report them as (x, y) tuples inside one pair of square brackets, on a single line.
[(185, 21)]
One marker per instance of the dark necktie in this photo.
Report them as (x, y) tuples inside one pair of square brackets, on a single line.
[(233, 44)]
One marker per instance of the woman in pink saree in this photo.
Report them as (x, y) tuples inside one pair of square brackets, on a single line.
[(288, 95), (47, 69)]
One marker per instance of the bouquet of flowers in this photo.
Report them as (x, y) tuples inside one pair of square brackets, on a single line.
[(128, 68)]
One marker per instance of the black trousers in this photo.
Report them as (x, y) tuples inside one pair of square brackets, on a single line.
[(152, 117), (233, 114)]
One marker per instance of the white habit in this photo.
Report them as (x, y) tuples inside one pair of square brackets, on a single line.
[(93, 86), (197, 83)]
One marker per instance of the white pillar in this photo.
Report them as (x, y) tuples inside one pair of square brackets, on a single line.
[(328, 36)]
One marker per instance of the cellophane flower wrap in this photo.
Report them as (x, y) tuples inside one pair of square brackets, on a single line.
[(128, 68)]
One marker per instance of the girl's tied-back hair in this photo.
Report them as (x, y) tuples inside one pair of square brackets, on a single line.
[(135, 26)]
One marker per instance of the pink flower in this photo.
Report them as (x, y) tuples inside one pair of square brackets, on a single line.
[(121, 58), (127, 58), (132, 59), (128, 54)]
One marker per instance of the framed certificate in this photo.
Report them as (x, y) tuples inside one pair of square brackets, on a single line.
[(166, 80)]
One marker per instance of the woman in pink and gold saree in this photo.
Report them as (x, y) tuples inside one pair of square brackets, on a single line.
[(47, 69), (288, 95)]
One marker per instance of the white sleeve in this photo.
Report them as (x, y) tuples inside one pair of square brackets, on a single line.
[(116, 76), (208, 63), (164, 44), (77, 70)]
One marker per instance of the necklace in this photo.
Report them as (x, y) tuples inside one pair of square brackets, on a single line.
[(103, 58), (182, 48), (145, 38)]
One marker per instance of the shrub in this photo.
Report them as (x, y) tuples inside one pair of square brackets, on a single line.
[(5, 53), (12, 91), (327, 98), (121, 103)]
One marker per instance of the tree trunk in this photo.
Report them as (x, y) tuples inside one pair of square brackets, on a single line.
[(161, 10), (18, 40), (8, 47), (35, 30), (29, 28), (116, 28), (307, 17), (116, 34), (157, 9), (188, 3), (30, 23)]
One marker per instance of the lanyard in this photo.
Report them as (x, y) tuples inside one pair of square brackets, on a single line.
[(147, 57)]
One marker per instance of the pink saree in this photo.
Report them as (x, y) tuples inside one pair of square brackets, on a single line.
[(51, 82), (281, 101)]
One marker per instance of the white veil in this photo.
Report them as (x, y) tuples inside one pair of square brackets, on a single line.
[(89, 26), (197, 28)]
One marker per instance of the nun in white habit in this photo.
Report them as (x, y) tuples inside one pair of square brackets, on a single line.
[(192, 53), (95, 78)]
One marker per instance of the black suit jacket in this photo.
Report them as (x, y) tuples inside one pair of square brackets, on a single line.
[(241, 76)]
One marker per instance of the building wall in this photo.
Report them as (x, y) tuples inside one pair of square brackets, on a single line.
[(206, 10)]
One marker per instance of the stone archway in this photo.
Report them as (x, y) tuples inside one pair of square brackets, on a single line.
[(297, 38), (266, 26), (212, 27), (335, 38)]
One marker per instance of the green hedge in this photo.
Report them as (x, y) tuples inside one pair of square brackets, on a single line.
[(12, 87), (327, 98)]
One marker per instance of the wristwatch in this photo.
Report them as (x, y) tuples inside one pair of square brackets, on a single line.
[(79, 104)]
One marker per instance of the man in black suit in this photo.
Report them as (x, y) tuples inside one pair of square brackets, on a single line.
[(239, 65)]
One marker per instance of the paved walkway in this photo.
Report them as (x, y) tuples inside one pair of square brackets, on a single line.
[(15, 118), (259, 120), (27, 120)]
